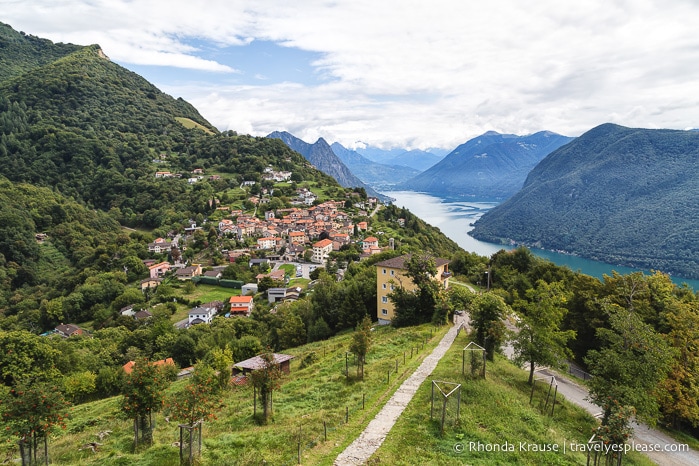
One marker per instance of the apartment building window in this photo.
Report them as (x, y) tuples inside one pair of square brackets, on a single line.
[(384, 299), (384, 312)]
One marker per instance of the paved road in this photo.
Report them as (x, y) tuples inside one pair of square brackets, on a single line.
[(359, 451), (644, 437)]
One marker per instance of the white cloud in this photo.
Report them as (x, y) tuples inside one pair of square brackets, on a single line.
[(411, 73)]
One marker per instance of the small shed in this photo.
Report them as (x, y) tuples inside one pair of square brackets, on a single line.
[(248, 288), (255, 363)]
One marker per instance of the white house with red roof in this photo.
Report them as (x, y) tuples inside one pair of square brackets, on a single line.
[(241, 305), (369, 242), (321, 250)]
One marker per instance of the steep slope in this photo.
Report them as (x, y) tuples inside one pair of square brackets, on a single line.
[(81, 141), (20, 52), (621, 195), (321, 155), (377, 175), (491, 166)]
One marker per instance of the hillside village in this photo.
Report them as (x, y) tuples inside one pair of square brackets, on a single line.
[(305, 234)]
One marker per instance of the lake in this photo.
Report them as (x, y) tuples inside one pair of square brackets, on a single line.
[(455, 218)]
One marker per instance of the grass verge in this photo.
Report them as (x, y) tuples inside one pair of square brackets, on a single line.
[(495, 417)]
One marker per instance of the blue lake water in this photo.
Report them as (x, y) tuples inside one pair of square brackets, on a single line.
[(455, 218)]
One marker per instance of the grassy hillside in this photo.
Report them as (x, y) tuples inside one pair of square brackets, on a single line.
[(493, 411), (309, 397), (314, 401)]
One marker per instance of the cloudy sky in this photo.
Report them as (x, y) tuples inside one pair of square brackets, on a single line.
[(398, 73)]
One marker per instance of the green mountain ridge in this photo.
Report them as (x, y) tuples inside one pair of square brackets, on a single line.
[(20, 52), (615, 194)]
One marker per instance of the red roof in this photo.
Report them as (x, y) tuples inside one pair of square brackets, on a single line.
[(322, 243), (128, 367), (240, 299)]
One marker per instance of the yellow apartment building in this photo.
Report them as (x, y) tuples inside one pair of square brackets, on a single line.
[(392, 273)]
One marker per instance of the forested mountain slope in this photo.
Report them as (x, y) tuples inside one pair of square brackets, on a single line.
[(81, 139), (621, 195), (20, 52)]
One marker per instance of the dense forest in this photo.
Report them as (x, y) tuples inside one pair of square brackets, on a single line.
[(619, 195)]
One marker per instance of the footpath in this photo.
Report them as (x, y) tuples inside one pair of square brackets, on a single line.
[(359, 451)]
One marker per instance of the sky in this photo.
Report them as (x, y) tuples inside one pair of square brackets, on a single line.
[(398, 73)]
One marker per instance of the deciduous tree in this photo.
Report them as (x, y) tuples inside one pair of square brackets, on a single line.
[(539, 339), (143, 395), (266, 380), (631, 364), (361, 342), (488, 312), (32, 410)]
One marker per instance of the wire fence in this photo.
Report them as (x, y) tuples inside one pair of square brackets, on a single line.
[(385, 371)]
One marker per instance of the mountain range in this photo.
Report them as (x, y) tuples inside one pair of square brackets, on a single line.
[(621, 195), (418, 159), (321, 155), (491, 166), (380, 176)]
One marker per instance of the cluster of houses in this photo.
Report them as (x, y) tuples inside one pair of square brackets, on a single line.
[(296, 229)]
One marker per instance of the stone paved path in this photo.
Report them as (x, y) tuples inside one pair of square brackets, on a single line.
[(359, 451)]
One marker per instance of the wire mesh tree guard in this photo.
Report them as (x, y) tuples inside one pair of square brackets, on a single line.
[(476, 359), (598, 455), (34, 449), (447, 391), (545, 395), (143, 427), (190, 442)]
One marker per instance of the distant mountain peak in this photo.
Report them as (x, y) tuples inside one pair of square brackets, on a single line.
[(490, 166), (321, 155)]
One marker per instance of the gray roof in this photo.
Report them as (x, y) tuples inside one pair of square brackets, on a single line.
[(257, 362), (399, 262)]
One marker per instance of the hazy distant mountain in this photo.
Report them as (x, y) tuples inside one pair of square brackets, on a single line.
[(378, 155), (622, 195), (491, 166), (418, 159), (321, 155), (378, 175)]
